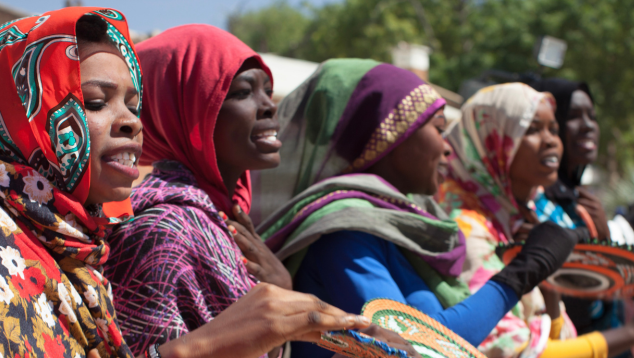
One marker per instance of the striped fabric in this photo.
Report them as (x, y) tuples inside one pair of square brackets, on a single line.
[(175, 266)]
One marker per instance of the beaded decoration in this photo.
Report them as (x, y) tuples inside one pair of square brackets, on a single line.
[(397, 123)]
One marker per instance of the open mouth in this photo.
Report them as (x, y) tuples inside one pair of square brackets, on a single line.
[(268, 135), (551, 161), (266, 141), (126, 159), (587, 144)]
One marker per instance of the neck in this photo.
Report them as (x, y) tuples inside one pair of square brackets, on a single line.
[(230, 177), (522, 193), (389, 175)]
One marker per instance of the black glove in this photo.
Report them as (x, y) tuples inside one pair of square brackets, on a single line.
[(547, 247)]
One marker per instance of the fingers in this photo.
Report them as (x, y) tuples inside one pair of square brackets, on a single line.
[(584, 193), (588, 204), (307, 326), (528, 214), (254, 269), (243, 219), (94, 353)]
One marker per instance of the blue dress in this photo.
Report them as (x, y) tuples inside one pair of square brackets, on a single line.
[(348, 268)]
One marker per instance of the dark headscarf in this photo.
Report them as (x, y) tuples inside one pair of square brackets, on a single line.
[(562, 90)]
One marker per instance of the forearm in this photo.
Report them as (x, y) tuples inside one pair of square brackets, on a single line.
[(619, 339), (591, 345), (484, 309)]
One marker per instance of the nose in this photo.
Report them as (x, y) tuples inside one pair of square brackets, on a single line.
[(127, 125), (550, 140), (267, 107), (446, 149), (586, 122)]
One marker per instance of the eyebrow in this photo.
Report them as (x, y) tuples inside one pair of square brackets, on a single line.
[(251, 79), (246, 78), (106, 84), (100, 83)]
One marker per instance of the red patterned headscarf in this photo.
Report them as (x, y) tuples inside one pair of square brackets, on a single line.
[(52, 292), (44, 122), (188, 72)]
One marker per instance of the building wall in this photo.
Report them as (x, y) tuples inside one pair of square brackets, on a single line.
[(8, 14)]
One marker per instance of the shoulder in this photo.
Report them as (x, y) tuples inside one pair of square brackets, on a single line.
[(165, 221), (351, 244)]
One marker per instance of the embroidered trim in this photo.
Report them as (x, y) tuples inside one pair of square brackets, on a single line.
[(395, 125)]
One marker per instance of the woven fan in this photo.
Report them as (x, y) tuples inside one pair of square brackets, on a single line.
[(430, 338), (355, 344), (593, 270)]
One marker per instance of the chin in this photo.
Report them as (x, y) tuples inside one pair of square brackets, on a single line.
[(551, 180), (117, 194), (268, 162)]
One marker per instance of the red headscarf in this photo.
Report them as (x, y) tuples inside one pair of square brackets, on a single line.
[(44, 182), (187, 73), (44, 122)]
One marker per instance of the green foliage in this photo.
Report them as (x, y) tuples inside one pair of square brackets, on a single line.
[(278, 29), (468, 37)]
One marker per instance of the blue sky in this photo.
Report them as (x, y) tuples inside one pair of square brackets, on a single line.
[(147, 15)]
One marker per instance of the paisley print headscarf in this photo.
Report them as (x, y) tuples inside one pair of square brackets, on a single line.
[(54, 302)]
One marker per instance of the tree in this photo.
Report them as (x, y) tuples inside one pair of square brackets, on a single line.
[(471, 36), (277, 29)]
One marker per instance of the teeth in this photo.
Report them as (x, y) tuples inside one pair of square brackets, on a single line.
[(268, 134), (551, 159), (127, 159)]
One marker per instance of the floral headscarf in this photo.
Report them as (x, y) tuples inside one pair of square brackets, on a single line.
[(53, 299), (484, 143), (478, 196)]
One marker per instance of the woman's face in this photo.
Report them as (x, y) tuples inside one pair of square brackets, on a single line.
[(538, 155), (582, 130), (110, 100), (420, 162), (246, 131)]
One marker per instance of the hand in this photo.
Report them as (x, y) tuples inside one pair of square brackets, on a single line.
[(389, 337), (258, 258), (545, 250), (530, 220), (261, 320), (592, 204), (94, 353), (522, 233)]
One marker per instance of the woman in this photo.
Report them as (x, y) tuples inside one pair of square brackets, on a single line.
[(579, 134), (580, 137), (351, 134), (69, 112), (505, 147), (208, 119)]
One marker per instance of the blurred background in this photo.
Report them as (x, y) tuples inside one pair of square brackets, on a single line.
[(458, 45)]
